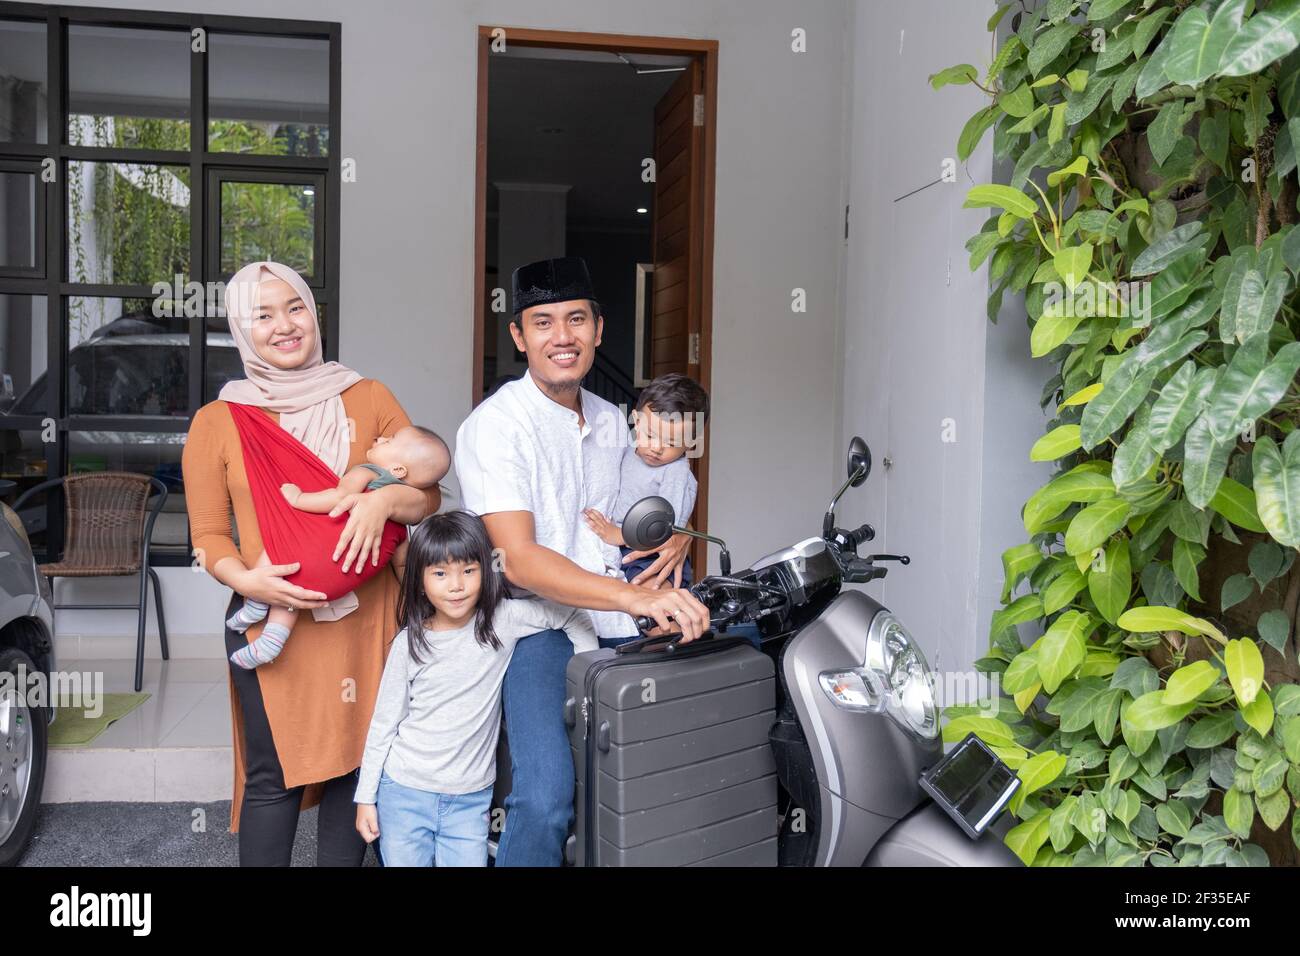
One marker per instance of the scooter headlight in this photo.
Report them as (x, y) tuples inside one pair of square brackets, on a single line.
[(899, 665)]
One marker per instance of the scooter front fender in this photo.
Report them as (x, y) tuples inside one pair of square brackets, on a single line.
[(927, 837)]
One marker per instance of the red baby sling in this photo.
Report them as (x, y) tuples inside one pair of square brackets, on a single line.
[(272, 457)]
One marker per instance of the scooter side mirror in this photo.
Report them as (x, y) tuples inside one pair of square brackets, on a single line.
[(859, 459), (649, 523)]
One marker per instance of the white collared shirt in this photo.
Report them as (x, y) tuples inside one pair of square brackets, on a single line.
[(522, 451)]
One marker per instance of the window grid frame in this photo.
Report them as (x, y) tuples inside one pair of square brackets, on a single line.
[(54, 284)]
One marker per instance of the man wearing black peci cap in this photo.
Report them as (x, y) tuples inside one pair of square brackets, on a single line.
[(530, 459)]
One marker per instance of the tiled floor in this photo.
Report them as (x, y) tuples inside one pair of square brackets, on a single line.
[(188, 705), (174, 746)]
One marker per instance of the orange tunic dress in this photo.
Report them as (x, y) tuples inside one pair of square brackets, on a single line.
[(320, 692)]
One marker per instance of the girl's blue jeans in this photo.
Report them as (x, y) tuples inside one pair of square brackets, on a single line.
[(420, 828)]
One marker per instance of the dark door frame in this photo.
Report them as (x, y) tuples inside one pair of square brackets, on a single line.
[(707, 52)]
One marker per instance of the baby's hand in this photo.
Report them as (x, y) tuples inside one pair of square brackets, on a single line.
[(368, 822), (290, 492), (605, 529)]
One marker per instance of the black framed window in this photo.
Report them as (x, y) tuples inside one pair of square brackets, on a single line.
[(144, 157)]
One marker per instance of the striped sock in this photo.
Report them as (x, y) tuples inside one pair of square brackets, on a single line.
[(264, 649), (247, 616)]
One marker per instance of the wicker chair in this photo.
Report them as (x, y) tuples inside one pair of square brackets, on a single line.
[(108, 527)]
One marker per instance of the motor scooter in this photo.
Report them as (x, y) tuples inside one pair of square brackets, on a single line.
[(863, 780)]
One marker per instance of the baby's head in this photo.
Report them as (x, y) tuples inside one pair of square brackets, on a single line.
[(670, 416), (415, 455)]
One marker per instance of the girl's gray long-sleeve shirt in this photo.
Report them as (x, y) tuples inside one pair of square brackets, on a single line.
[(436, 722)]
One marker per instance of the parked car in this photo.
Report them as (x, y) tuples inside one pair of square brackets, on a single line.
[(26, 649), (135, 365)]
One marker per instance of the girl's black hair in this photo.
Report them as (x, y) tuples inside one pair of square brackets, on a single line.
[(454, 537)]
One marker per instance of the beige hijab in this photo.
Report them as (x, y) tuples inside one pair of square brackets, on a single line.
[(308, 397)]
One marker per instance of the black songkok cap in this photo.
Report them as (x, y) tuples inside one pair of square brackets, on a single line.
[(550, 280)]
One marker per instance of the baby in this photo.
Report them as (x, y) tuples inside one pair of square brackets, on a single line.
[(670, 416), (414, 456)]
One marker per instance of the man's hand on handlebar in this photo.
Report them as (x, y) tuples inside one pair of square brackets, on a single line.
[(674, 610)]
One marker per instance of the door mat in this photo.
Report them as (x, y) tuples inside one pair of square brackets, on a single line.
[(73, 728)]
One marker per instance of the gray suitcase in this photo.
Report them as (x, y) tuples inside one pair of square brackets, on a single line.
[(672, 757)]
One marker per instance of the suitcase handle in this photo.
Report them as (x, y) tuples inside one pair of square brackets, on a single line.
[(671, 644)]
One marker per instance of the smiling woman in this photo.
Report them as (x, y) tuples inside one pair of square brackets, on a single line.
[(299, 723)]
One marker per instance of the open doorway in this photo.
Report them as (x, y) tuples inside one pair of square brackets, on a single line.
[(600, 146)]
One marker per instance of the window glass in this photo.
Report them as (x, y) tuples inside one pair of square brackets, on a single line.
[(128, 223), (275, 221), (24, 352), (268, 95), (18, 220), (23, 85), (123, 360), (128, 88)]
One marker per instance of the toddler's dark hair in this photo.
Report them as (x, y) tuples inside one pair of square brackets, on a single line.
[(454, 537), (675, 393)]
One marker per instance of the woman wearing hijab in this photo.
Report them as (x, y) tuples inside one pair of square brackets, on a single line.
[(300, 725)]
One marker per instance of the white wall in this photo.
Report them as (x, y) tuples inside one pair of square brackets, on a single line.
[(408, 119), (921, 364)]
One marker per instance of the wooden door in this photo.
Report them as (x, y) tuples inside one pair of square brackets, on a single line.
[(677, 233), (678, 243)]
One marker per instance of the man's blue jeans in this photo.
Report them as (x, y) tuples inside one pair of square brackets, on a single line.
[(539, 808)]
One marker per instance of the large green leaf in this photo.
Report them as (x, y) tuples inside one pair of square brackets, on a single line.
[(1017, 562), (1057, 443), (1027, 607), (1059, 493), (954, 75), (1178, 404), (1049, 45), (1111, 585), (1237, 503), (1136, 453), (1267, 36), (1095, 524), (1027, 838), (1204, 462), (1072, 263), (1199, 42), (1119, 398), (1019, 102), (1052, 329), (1040, 770), (1238, 812), (1101, 9), (1062, 648), (1000, 197), (1259, 713), (1211, 731), (1151, 712), (1166, 129), (1245, 669), (1062, 590), (1277, 487), (1174, 285), (1152, 79), (1189, 682), (1158, 618), (1250, 386), (1129, 384), (1250, 305), (1169, 247)]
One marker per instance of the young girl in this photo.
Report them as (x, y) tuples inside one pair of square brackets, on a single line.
[(430, 759)]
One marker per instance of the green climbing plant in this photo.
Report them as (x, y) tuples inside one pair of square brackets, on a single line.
[(1146, 643)]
